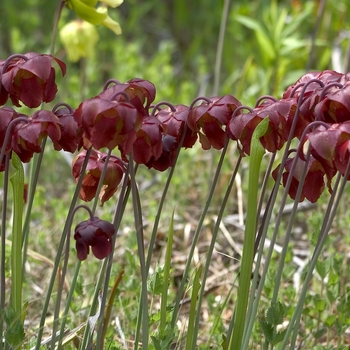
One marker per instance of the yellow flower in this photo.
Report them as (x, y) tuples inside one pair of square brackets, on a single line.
[(79, 38), (85, 9)]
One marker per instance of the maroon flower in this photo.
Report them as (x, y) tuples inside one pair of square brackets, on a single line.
[(280, 114), (94, 233), (173, 122), (114, 174), (141, 93), (148, 143), (29, 78), (330, 147), (314, 181), (27, 138), (107, 123), (208, 120), (335, 105), (326, 77), (7, 114), (70, 140)]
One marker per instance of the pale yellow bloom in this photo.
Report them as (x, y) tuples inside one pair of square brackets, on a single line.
[(79, 39)]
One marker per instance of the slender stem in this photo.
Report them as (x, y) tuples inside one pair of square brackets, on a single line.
[(59, 253), (55, 26), (3, 242), (219, 50), (141, 251)]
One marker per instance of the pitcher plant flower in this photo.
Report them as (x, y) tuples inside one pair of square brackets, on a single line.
[(29, 78), (113, 176), (96, 234)]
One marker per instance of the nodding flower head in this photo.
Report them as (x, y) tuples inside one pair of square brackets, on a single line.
[(94, 233), (29, 79), (114, 174)]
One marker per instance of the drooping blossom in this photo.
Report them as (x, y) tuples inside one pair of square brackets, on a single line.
[(209, 118), (314, 183), (7, 114), (107, 123), (113, 176), (148, 143), (70, 139), (141, 93), (280, 114), (27, 137), (29, 79), (173, 122), (94, 233)]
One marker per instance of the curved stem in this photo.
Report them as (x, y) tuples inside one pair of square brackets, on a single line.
[(155, 107), (219, 49), (55, 26), (108, 82), (12, 57), (127, 98), (62, 104)]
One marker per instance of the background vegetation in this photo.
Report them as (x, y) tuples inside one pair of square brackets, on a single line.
[(174, 44)]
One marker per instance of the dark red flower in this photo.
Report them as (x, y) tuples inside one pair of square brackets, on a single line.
[(141, 93), (29, 79), (94, 233), (314, 180), (326, 77), (107, 123), (208, 120), (335, 105), (280, 114), (148, 143), (7, 114), (173, 122), (114, 174), (27, 137), (330, 147), (70, 139)]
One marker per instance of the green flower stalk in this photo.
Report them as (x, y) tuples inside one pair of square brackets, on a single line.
[(85, 9)]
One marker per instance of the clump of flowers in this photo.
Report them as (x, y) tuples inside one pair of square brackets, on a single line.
[(123, 120)]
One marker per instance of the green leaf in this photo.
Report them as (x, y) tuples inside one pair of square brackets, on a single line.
[(278, 337), (14, 334), (155, 281), (275, 313), (267, 329)]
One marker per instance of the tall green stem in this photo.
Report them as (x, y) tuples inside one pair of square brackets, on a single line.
[(17, 181), (257, 152)]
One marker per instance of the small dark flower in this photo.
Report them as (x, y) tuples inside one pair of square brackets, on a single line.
[(148, 143), (314, 183), (173, 122), (7, 114), (141, 94), (335, 105), (114, 174), (70, 139), (30, 80), (94, 233), (27, 137), (107, 123), (208, 120), (280, 114)]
